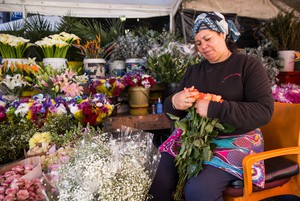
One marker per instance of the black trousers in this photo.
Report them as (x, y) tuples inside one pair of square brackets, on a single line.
[(207, 186)]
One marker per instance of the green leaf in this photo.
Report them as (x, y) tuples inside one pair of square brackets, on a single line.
[(228, 128), (173, 117), (197, 143), (209, 128), (196, 153), (207, 154)]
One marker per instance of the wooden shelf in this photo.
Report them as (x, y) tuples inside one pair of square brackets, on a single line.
[(142, 122)]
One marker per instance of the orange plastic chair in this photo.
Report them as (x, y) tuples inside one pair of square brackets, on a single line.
[(282, 138)]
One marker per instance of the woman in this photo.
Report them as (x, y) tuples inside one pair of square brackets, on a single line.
[(248, 104)]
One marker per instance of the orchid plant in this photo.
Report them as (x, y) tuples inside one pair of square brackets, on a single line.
[(57, 45), (13, 46)]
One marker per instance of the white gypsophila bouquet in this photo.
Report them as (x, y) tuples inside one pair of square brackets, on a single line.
[(110, 168)]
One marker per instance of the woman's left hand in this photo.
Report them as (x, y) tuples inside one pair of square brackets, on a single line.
[(201, 106)]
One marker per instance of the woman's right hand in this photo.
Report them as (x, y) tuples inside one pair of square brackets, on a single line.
[(184, 99)]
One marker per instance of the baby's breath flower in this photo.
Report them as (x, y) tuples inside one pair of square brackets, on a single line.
[(108, 168)]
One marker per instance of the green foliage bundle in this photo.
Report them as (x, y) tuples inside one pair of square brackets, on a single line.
[(283, 32), (168, 63), (14, 140)]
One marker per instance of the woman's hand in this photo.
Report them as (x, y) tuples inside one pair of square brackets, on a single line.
[(184, 99), (201, 106)]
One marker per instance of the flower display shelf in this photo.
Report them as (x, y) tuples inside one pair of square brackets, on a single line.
[(141, 122)]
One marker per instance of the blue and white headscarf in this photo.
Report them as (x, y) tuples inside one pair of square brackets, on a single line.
[(215, 21)]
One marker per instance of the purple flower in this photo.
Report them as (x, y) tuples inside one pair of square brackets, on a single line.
[(286, 93)]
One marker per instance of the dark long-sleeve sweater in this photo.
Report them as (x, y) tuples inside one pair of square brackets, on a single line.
[(242, 82)]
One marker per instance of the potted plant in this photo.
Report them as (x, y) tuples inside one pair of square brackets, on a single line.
[(12, 48), (283, 33), (169, 62), (94, 57), (138, 84), (55, 49), (133, 49)]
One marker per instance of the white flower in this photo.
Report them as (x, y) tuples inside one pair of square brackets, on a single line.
[(22, 110), (13, 82), (114, 169)]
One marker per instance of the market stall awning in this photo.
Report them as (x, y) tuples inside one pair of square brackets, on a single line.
[(95, 8)]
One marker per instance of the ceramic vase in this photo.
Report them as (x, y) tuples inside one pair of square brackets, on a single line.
[(286, 59), (94, 68), (57, 63)]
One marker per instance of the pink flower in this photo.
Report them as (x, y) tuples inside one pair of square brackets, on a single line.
[(22, 195), (2, 190), (27, 184), (1, 197), (9, 198), (9, 173), (72, 90), (11, 191), (18, 168)]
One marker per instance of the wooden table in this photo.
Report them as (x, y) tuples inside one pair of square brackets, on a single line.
[(148, 122)]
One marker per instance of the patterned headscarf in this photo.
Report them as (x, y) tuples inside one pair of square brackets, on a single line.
[(215, 21)]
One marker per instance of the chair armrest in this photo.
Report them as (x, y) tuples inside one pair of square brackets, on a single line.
[(249, 160)]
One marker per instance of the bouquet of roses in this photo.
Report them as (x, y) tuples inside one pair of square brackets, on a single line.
[(14, 187), (195, 146), (138, 79), (111, 87), (90, 110)]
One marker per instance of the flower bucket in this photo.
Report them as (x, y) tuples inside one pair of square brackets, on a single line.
[(117, 68), (57, 63), (94, 67), (135, 111), (12, 60), (135, 64), (138, 97), (286, 58)]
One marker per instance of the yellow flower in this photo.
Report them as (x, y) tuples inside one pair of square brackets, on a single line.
[(39, 138)]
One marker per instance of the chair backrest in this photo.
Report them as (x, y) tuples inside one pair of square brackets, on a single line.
[(284, 128)]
